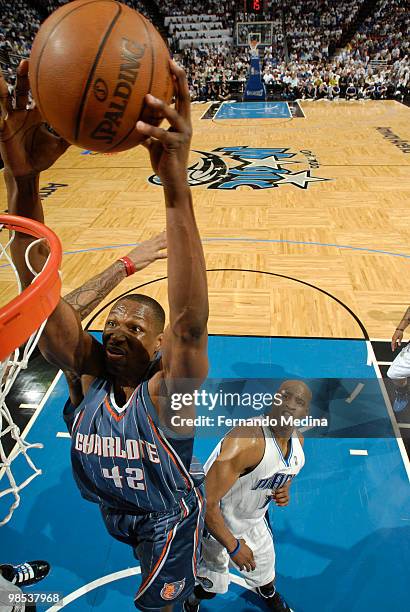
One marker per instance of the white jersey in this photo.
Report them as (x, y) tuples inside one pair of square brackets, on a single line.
[(245, 504)]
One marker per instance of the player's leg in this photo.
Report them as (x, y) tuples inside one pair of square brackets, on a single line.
[(272, 599), (398, 372), (168, 550), (193, 603), (213, 574), (262, 579)]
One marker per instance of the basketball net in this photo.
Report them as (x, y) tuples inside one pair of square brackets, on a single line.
[(11, 365)]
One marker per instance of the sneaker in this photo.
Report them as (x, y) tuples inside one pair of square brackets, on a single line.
[(25, 574), (277, 603), (401, 399)]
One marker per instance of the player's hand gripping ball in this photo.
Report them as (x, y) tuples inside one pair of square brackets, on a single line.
[(91, 65)]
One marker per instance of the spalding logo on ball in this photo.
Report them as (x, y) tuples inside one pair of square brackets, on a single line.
[(91, 65)]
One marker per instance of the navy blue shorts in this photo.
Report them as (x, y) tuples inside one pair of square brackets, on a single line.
[(167, 545)]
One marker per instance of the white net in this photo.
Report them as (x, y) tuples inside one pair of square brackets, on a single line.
[(9, 371)]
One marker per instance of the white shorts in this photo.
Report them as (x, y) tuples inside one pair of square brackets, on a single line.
[(10, 593), (400, 368), (215, 561)]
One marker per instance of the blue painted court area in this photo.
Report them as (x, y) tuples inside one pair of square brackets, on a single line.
[(253, 110), (343, 543)]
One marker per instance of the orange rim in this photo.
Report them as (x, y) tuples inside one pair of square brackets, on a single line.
[(20, 318)]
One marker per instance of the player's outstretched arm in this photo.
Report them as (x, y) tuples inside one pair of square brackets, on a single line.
[(27, 148), (241, 451), (87, 297), (184, 348)]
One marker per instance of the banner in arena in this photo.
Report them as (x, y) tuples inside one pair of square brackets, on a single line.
[(242, 166)]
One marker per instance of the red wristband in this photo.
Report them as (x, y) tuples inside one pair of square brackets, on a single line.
[(129, 265)]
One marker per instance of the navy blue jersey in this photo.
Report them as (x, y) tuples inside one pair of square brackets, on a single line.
[(121, 458)]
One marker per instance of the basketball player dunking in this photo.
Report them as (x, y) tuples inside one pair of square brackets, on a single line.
[(248, 469), (121, 457)]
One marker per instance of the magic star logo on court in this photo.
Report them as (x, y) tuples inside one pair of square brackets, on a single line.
[(242, 166)]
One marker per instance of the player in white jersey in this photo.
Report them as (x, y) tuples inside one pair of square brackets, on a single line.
[(248, 469)]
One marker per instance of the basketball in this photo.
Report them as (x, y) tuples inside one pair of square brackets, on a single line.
[(91, 64)]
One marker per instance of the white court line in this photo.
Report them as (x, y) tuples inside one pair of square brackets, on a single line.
[(90, 586), (359, 452), (388, 341), (404, 425), (41, 405), (63, 434), (369, 359), (390, 412), (300, 106), (220, 108), (205, 111), (359, 387), (33, 418), (130, 571)]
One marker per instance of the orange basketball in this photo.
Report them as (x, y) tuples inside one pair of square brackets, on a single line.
[(91, 65)]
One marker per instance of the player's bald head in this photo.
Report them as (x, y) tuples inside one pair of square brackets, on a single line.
[(297, 386), (296, 397)]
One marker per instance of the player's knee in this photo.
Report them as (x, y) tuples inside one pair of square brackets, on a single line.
[(267, 590), (392, 374), (200, 593)]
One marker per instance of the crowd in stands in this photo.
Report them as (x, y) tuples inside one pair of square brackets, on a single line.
[(384, 35), (52, 5), (226, 8), (218, 74), (194, 30), (18, 25), (301, 63), (375, 64), (313, 27)]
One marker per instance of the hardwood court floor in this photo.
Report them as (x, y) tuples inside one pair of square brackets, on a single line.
[(298, 228)]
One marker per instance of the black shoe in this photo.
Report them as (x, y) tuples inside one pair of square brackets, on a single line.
[(25, 574), (187, 606), (276, 603)]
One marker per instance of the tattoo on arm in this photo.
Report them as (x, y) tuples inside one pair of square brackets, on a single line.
[(92, 292)]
